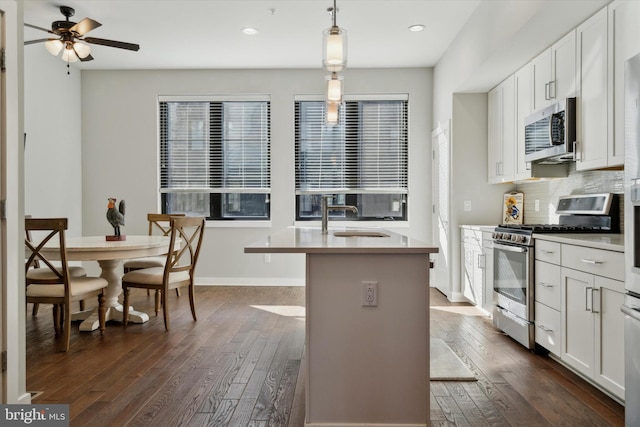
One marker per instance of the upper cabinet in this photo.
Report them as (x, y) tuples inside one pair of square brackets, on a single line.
[(501, 128), (623, 43), (593, 112), (553, 72), (524, 107)]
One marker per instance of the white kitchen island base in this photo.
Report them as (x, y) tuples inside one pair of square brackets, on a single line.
[(364, 366)]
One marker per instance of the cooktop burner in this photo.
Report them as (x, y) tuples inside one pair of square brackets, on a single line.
[(556, 228)]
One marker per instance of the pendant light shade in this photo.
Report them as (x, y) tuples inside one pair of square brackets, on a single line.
[(334, 46), (334, 88), (332, 113), (53, 46)]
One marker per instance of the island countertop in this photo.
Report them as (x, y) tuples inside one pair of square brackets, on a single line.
[(311, 240)]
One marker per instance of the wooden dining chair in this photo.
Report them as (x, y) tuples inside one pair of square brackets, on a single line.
[(52, 283), (35, 270), (159, 224), (178, 270)]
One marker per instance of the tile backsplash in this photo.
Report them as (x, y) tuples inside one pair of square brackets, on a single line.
[(578, 182)]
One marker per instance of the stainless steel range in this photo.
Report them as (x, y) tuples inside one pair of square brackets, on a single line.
[(513, 258)]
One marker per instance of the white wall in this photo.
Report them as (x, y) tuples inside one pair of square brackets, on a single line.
[(119, 154), (53, 149)]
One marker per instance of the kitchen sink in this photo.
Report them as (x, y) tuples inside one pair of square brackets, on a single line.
[(360, 233)]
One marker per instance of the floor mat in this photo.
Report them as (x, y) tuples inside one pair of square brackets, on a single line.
[(446, 365)]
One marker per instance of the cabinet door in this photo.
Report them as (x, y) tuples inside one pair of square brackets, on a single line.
[(508, 129), (563, 59), (524, 107), (495, 134), (609, 334), (472, 273), (487, 280), (624, 42), (578, 326), (593, 107), (540, 78)]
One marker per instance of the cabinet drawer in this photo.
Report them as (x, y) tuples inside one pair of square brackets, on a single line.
[(548, 280), (548, 328), (548, 251), (595, 261)]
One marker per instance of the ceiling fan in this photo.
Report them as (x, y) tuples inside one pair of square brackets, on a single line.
[(70, 38)]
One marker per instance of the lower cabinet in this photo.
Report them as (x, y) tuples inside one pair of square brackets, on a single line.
[(593, 325), (477, 267)]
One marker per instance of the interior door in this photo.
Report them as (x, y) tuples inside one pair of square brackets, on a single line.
[(440, 182)]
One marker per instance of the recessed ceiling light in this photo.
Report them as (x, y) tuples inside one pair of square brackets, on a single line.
[(416, 28), (250, 31)]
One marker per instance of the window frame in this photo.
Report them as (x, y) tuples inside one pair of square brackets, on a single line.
[(216, 192)]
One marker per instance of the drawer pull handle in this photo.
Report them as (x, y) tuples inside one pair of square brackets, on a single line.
[(591, 261), (545, 251), (546, 285), (544, 328)]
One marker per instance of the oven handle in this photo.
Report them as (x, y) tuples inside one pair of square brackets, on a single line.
[(518, 249), (634, 313)]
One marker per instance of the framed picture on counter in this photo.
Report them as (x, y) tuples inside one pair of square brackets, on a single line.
[(513, 208)]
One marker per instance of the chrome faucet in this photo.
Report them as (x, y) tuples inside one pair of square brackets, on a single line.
[(324, 204)]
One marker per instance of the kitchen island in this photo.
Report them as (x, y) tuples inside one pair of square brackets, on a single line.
[(367, 325)]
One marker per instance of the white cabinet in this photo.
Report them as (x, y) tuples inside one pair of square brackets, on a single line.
[(472, 265), (524, 107), (595, 117), (592, 324), (554, 72), (487, 279), (547, 294), (624, 42), (477, 266), (501, 132)]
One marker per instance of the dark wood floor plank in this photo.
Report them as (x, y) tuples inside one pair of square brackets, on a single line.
[(242, 364)]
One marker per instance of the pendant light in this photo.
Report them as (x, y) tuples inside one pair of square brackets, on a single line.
[(334, 45), (332, 113), (334, 88)]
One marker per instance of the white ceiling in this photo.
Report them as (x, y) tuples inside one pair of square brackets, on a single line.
[(205, 34), (198, 34)]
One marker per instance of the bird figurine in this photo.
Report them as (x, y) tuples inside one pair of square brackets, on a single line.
[(115, 216)]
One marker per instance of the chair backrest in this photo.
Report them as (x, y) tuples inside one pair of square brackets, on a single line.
[(52, 228), (190, 230), (35, 263), (160, 222)]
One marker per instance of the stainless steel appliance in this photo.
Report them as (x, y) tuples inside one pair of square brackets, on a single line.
[(631, 307), (550, 133), (513, 258)]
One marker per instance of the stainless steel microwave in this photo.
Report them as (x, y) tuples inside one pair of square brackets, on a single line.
[(550, 133)]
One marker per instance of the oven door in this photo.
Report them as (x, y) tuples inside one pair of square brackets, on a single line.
[(513, 279)]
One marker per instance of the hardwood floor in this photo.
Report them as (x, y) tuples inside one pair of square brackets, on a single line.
[(239, 365)]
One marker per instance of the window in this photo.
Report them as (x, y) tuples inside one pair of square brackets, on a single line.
[(362, 161), (215, 158)]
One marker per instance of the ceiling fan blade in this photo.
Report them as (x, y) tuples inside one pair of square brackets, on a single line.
[(84, 26), (37, 41), (112, 43), (86, 58), (38, 28)]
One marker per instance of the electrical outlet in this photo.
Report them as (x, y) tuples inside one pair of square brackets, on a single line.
[(467, 205), (537, 205), (267, 258), (369, 294)]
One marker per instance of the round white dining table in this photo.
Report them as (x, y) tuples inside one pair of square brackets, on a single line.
[(109, 255)]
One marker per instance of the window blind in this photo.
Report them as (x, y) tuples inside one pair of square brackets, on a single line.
[(215, 147), (365, 153)]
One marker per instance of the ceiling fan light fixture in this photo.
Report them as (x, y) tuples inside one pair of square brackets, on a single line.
[(82, 50), (69, 55), (53, 46)]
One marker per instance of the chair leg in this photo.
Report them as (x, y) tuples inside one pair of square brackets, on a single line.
[(192, 302), (56, 318), (178, 291), (67, 326), (102, 312), (165, 310), (34, 310), (125, 307), (81, 305), (158, 292)]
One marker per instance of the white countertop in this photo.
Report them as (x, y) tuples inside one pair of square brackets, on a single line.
[(611, 242), (311, 240), (479, 227)]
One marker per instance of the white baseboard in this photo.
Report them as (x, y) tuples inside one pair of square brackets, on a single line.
[(249, 281), (24, 399), (458, 297)]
